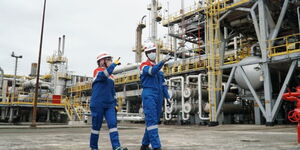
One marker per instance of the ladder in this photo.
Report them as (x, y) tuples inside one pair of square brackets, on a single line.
[(212, 37)]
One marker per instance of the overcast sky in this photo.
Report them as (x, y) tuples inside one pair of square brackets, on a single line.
[(90, 26)]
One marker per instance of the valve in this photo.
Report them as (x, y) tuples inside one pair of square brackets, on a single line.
[(294, 115)]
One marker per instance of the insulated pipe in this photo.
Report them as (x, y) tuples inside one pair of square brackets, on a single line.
[(63, 45), (170, 110), (199, 94), (182, 98), (227, 108), (59, 44), (230, 97), (174, 109), (127, 68), (200, 97)]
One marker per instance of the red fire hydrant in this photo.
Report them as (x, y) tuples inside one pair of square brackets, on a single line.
[(294, 115)]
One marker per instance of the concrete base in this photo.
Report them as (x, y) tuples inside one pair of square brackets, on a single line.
[(76, 123), (222, 137)]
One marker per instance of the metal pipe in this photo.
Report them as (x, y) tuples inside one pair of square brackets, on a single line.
[(153, 20), (200, 97), (63, 45), (199, 94), (59, 45), (182, 98), (127, 68), (168, 110)]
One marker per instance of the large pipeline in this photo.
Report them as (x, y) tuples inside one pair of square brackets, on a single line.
[(135, 66), (188, 92), (32, 84), (227, 108), (127, 68)]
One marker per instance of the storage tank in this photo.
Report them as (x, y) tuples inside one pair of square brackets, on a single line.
[(253, 72)]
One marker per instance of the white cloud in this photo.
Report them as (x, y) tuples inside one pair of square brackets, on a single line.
[(90, 27)]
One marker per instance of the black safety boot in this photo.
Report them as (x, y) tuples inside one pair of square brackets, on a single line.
[(120, 148), (145, 147)]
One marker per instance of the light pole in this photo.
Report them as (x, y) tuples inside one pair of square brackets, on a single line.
[(14, 84), (33, 124)]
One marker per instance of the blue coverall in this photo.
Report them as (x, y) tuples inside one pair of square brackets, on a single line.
[(164, 85), (152, 98), (103, 102)]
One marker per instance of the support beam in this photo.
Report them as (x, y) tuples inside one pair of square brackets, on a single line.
[(283, 88), (3, 113), (255, 22), (48, 115), (263, 26), (263, 31), (257, 114), (279, 21), (269, 18), (225, 15), (252, 91), (225, 90), (11, 113), (268, 93)]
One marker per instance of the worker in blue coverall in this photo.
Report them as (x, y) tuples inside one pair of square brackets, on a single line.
[(152, 96), (103, 102)]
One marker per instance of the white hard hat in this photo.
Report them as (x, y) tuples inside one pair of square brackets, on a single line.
[(103, 55), (149, 46)]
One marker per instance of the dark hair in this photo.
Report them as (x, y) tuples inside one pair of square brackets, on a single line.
[(98, 63)]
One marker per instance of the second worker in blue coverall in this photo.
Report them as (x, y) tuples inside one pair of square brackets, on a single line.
[(152, 96)]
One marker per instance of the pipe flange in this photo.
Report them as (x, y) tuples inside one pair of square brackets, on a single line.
[(187, 93)]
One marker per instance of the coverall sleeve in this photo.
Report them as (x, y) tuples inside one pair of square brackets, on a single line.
[(164, 87), (152, 70), (103, 75), (115, 96)]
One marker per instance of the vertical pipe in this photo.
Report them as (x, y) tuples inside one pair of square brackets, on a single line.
[(168, 116), (63, 45), (200, 98), (153, 20), (15, 80), (59, 46), (182, 97), (199, 77)]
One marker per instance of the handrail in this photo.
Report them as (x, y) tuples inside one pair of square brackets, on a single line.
[(286, 47)]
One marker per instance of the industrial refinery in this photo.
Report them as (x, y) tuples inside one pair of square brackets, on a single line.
[(234, 62)]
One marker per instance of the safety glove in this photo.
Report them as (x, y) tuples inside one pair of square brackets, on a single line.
[(117, 61)]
